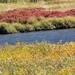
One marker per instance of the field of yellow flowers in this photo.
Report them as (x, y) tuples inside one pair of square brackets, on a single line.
[(37, 59)]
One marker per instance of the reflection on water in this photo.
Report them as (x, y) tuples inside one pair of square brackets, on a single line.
[(53, 36)]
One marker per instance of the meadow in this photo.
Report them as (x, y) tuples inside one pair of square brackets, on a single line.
[(37, 59), (48, 4), (22, 16)]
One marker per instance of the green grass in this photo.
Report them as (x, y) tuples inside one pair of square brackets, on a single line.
[(37, 59), (37, 24)]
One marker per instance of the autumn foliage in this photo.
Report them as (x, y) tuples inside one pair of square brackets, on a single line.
[(21, 15)]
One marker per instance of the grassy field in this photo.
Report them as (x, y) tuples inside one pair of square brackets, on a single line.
[(50, 6), (37, 59)]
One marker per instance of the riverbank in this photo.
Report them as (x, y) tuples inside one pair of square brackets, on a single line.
[(35, 19), (37, 24), (40, 58)]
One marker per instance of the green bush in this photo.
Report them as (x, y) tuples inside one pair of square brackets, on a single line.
[(43, 25), (7, 28), (29, 27), (35, 24), (19, 27), (70, 23), (59, 24), (46, 25), (63, 23)]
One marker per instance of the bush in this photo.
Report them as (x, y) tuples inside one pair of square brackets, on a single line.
[(46, 25), (29, 27), (38, 25), (63, 23), (7, 28), (19, 27), (70, 22), (59, 24), (23, 15)]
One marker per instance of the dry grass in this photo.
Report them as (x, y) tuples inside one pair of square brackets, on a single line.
[(52, 5), (37, 59)]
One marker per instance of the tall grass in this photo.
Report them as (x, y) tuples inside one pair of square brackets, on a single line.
[(37, 24), (50, 4), (37, 59)]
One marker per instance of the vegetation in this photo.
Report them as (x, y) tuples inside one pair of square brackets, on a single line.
[(37, 25), (24, 20), (48, 4), (22, 15), (19, 17), (37, 59), (12, 1), (15, 1)]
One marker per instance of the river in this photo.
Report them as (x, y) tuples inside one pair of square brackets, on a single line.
[(53, 36)]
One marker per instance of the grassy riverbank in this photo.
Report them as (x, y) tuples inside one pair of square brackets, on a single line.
[(30, 16), (37, 59), (37, 24)]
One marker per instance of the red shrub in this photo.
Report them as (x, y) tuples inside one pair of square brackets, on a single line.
[(70, 12), (22, 15)]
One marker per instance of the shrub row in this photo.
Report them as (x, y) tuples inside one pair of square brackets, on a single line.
[(37, 25), (22, 15)]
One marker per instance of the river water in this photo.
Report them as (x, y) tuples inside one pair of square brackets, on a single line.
[(53, 36)]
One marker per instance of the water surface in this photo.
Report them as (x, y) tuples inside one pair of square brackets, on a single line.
[(52, 36)]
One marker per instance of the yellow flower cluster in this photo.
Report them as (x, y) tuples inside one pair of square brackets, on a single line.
[(37, 59)]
